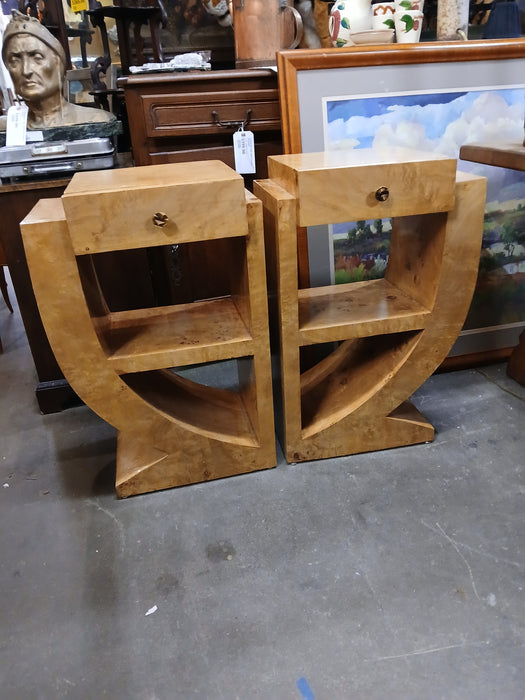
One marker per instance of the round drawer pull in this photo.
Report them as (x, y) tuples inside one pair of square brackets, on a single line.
[(160, 219), (382, 194)]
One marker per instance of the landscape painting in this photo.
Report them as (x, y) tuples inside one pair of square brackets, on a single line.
[(441, 123)]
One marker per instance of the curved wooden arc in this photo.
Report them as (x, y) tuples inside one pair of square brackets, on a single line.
[(218, 414), (365, 367)]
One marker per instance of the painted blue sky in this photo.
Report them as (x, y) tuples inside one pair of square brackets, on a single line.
[(434, 122)]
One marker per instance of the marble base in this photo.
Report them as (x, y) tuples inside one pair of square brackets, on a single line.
[(76, 132)]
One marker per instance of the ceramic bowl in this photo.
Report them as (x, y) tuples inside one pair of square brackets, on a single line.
[(373, 36)]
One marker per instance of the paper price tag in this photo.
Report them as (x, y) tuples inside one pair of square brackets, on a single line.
[(79, 5), (244, 152), (16, 125)]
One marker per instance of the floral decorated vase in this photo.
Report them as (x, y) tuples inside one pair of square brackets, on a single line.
[(349, 16)]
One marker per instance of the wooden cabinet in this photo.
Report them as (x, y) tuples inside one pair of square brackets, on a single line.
[(192, 116)]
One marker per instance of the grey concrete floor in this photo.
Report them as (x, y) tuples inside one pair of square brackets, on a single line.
[(395, 574)]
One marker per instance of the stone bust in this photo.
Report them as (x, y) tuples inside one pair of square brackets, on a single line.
[(36, 63)]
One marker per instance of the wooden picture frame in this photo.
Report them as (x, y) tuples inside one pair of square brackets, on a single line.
[(309, 79)]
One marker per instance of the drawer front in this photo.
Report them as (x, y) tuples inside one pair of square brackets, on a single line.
[(199, 113), (359, 184), (154, 205)]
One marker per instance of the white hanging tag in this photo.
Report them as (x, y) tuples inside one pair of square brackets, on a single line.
[(244, 151), (16, 125)]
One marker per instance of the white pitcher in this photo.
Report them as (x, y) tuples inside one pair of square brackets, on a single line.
[(349, 16)]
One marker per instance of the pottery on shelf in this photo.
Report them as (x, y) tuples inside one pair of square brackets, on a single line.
[(349, 16)]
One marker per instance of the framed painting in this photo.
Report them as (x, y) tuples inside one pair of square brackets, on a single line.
[(434, 96)]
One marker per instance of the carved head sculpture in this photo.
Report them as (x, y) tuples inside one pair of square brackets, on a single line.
[(36, 63), (34, 58)]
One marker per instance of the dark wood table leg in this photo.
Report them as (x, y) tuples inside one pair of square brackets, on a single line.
[(516, 366)]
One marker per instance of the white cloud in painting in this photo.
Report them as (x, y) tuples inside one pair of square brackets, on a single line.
[(405, 133), (434, 127)]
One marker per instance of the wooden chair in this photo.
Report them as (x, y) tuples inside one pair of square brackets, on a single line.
[(3, 284)]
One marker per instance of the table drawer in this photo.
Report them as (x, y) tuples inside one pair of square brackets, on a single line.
[(154, 206), (199, 113), (350, 185)]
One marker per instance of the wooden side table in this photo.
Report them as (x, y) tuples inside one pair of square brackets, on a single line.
[(190, 116), (127, 365), (373, 343), (502, 156)]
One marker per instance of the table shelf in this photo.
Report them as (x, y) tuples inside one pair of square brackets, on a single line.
[(203, 410), (356, 310), (171, 336)]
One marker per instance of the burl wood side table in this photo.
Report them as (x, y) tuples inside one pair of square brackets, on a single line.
[(387, 335), (172, 430)]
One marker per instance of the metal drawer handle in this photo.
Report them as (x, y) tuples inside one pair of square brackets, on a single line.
[(382, 194), (232, 124), (160, 219)]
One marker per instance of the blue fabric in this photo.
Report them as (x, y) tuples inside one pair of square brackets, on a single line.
[(504, 21)]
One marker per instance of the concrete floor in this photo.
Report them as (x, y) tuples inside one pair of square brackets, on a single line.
[(396, 574)]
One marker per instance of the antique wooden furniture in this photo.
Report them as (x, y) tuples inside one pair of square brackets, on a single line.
[(172, 430), (52, 391), (192, 116), (3, 284), (129, 20), (503, 156), (263, 27), (352, 354)]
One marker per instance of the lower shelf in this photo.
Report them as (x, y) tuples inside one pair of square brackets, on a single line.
[(346, 379), (216, 413)]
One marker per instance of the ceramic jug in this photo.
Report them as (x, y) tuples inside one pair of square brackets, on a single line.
[(348, 16), (263, 27)]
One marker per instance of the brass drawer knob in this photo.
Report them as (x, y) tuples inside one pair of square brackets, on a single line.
[(382, 194), (160, 219)]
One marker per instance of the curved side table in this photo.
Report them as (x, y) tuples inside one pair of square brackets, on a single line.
[(127, 365), (378, 340)]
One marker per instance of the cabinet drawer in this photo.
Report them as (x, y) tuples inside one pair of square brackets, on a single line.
[(339, 186), (116, 209), (193, 113)]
